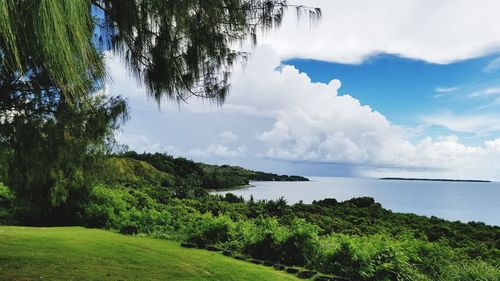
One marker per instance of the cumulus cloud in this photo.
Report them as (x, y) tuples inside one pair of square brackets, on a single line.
[(142, 143), (351, 31), (297, 119), (447, 157), (228, 136), (214, 150), (313, 123), (138, 143)]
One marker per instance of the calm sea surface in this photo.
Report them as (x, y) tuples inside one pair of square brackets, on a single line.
[(463, 201)]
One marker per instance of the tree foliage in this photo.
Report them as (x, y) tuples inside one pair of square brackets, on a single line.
[(53, 124), (54, 146), (53, 36), (50, 146), (185, 48), (178, 48)]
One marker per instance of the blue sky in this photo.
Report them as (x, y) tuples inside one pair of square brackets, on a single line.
[(375, 89)]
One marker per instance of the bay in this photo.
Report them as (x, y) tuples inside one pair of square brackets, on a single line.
[(462, 201)]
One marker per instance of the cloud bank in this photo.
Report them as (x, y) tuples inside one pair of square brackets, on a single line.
[(351, 31)]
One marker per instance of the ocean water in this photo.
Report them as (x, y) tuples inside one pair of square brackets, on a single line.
[(463, 201)]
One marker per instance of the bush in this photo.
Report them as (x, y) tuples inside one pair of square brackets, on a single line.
[(376, 257), (263, 240), (6, 195), (105, 208), (300, 244), (477, 270), (210, 230)]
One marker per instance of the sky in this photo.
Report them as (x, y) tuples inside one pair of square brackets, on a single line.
[(376, 88)]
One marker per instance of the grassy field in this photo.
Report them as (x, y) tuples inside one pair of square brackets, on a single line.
[(75, 253)]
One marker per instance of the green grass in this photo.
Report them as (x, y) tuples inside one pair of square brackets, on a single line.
[(76, 253)]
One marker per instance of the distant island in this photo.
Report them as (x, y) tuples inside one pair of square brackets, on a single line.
[(424, 179)]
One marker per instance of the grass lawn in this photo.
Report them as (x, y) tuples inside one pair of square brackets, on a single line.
[(76, 253)]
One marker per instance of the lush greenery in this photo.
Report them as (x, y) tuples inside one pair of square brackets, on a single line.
[(50, 147), (210, 176), (356, 239), (75, 253), (55, 121), (56, 134)]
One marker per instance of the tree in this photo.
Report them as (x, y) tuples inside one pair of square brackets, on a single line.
[(53, 125), (53, 147), (51, 36), (178, 48)]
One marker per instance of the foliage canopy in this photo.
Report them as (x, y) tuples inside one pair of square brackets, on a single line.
[(177, 48), (52, 122)]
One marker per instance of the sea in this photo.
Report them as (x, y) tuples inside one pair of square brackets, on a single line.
[(454, 201)]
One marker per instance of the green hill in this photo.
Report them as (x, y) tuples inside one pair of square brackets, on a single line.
[(209, 176), (75, 253)]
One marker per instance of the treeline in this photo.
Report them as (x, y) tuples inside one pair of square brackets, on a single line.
[(210, 176), (260, 176)]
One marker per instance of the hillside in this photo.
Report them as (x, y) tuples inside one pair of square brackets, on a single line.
[(209, 176), (75, 253), (131, 171)]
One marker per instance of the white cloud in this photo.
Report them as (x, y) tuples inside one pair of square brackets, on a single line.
[(491, 91), (313, 123), (478, 123), (494, 103), (228, 136), (142, 143), (221, 151), (300, 120), (493, 65), (138, 143), (442, 90), (447, 157), (351, 31)]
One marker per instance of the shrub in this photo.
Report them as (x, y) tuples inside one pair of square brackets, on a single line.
[(6, 195), (209, 229), (376, 257), (477, 270), (264, 239), (105, 207), (300, 244)]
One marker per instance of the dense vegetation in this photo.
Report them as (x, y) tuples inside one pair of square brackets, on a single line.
[(56, 120), (75, 253), (56, 128), (356, 239), (210, 176)]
